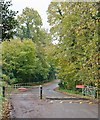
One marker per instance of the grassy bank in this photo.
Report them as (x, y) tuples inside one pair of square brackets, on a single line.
[(75, 93), (70, 91)]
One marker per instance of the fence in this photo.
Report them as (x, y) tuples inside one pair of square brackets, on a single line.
[(89, 90), (26, 85)]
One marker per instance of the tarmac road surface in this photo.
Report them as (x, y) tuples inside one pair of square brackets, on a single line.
[(53, 105)]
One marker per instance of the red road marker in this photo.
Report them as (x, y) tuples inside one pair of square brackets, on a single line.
[(22, 89)]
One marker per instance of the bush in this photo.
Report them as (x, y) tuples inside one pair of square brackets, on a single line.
[(63, 85), (22, 62)]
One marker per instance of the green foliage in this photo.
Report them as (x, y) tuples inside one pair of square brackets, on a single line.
[(25, 60), (29, 24), (76, 54), (0, 60), (49, 50), (74, 91), (9, 22), (22, 63)]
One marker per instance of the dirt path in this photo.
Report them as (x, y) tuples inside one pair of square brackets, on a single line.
[(28, 105)]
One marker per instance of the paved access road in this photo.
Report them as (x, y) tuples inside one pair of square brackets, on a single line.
[(28, 105)]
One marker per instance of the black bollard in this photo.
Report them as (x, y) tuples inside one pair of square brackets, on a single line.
[(3, 91), (40, 92)]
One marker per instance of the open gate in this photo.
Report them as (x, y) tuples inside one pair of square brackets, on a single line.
[(21, 89)]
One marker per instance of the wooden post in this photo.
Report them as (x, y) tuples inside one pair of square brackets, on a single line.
[(3, 91), (40, 92)]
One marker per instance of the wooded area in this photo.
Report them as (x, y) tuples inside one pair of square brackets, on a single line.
[(75, 26), (28, 54)]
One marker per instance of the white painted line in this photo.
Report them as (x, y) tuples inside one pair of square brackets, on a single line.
[(61, 101), (51, 101), (70, 102)]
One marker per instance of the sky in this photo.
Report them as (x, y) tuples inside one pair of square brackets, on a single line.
[(40, 5)]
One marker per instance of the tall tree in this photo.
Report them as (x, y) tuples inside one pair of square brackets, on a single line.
[(9, 22), (29, 24), (75, 27)]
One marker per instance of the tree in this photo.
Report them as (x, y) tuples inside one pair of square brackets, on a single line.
[(74, 26), (9, 22), (50, 49), (29, 24), (21, 62)]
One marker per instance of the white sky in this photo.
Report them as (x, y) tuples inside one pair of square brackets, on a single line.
[(40, 5)]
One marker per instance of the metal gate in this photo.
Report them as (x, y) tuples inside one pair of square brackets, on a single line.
[(22, 89), (89, 91)]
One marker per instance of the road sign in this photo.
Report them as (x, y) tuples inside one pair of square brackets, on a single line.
[(79, 86)]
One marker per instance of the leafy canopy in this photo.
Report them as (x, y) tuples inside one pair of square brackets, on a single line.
[(29, 23), (75, 26), (21, 62), (9, 22)]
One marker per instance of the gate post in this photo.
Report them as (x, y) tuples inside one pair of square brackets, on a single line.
[(3, 91), (40, 91)]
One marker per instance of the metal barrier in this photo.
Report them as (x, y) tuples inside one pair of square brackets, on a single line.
[(89, 90), (27, 85), (22, 87)]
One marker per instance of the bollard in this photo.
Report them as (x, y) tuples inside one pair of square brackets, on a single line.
[(40, 92), (3, 91)]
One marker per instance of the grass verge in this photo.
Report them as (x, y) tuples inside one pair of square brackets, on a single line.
[(76, 94)]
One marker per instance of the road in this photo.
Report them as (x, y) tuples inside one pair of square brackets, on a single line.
[(28, 105)]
